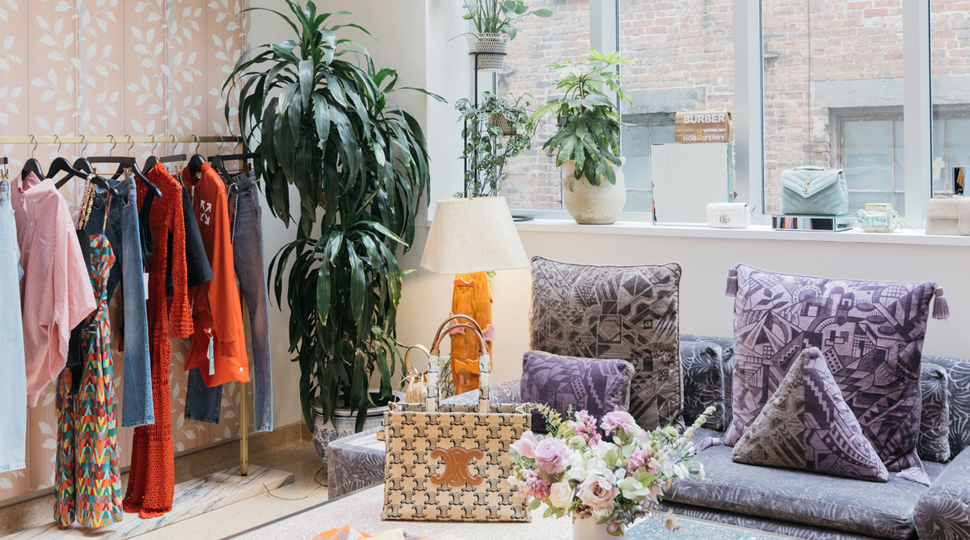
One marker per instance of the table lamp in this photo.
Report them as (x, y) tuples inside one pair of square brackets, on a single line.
[(469, 238)]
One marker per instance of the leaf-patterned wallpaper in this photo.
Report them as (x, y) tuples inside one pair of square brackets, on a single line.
[(116, 67)]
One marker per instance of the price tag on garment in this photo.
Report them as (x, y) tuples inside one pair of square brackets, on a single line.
[(145, 276), (210, 354)]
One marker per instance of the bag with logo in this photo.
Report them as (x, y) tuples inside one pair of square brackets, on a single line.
[(448, 462), (814, 191)]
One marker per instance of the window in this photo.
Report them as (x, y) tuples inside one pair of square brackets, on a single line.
[(950, 52), (868, 145), (824, 83), (684, 58), (829, 68), (534, 181)]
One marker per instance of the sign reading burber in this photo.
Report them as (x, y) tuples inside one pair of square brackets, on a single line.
[(703, 126)]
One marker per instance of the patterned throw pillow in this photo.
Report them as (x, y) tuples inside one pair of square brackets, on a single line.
[(703, 382), (626, 312), (807, 425), (934, 426), (561, 382), (870, 334)]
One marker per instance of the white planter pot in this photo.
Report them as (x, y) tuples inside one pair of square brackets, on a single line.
[(588, 529), (490, 50), (342, 424), (589, 204)]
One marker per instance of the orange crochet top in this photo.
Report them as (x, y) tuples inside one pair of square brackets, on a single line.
[(151, 482)]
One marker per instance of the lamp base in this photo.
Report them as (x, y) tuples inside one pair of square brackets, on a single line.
[(472, 297)]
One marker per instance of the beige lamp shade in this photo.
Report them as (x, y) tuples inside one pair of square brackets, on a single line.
[(473, 235)]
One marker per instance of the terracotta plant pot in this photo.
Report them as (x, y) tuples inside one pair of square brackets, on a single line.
[(589, 204)]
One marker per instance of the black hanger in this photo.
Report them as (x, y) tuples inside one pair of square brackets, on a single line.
[(62, 165), (152, 160), (125, 162), (195, 164), (219, 161), (32, 166)]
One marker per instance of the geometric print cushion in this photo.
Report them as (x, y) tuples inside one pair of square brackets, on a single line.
[(561, 382), (870, 334), (806, 425), (934, 425), (703, 381), (622, 312)]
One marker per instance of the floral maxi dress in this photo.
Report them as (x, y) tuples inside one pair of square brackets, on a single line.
[(88, 480)]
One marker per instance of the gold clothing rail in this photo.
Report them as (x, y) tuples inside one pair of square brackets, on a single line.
[(127, 139)]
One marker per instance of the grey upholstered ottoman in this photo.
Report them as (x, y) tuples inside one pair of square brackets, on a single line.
[(357, 461), (354, 462)]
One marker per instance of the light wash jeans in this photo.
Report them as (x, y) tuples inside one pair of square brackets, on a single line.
[(13, 372), (122, 230), (203, 403)]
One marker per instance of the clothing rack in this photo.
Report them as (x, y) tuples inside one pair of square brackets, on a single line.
[(111, 139), (157, 139)]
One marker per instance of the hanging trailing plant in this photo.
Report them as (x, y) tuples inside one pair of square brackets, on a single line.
[(319, 114), (495, 132)]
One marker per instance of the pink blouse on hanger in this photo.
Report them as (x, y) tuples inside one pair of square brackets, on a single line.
[(55, 292)]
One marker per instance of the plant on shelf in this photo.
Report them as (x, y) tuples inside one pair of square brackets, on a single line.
[(495, 25), (318, 113), (495, 132), (500, 16), (603, 473), (587, 144)]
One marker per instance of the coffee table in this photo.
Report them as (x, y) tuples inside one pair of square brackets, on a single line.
[(362, 511)]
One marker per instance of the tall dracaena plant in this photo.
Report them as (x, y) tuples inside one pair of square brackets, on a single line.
[(317, 111)]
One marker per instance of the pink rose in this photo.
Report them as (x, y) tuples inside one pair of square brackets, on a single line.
[(535, 487), (526, 446), (598, 493), (551, 455), (617, 420)]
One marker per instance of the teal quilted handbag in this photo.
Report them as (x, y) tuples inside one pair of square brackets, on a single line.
[(814, 191)]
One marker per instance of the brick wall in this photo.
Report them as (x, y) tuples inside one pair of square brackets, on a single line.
[(689, 44)]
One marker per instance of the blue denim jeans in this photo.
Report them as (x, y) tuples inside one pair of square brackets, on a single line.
[(122, 230), (203, 403), (13, 381)]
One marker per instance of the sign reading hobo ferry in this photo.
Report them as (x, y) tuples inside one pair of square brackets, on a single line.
[(703, 126)]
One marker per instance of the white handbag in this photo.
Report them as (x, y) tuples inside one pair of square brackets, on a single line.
[(948, 216), (728, 215)]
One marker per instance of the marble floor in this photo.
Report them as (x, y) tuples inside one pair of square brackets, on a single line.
[(308, 488), (289, 449)]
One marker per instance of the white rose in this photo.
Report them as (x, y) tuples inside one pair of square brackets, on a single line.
[(561, 495), (576, 472)]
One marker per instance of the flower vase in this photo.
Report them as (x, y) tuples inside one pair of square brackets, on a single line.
[(587, 528)]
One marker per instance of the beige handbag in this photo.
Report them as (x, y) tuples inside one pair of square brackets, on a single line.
[(948, 216), (448, 462)]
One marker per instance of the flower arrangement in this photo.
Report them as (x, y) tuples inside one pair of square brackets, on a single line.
[(613, 474)]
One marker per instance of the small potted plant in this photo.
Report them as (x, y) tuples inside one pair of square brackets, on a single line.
[(604, 474), (495, 132), (587, 145), (495, 22)]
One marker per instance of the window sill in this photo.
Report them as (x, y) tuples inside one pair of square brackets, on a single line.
[(755, 232)]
